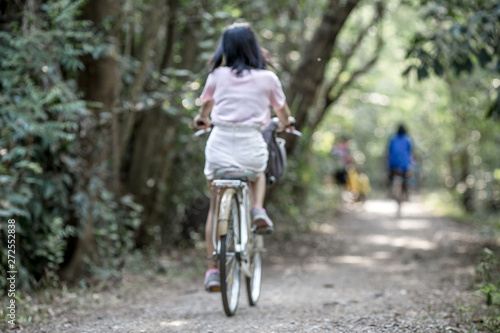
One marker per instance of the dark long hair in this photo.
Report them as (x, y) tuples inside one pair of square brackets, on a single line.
[(238, 48), (401, 129)]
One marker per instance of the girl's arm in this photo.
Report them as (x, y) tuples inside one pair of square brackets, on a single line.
[(202, 119), (285, 116)]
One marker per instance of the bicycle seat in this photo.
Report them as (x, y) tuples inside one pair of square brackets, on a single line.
[(235, 173)]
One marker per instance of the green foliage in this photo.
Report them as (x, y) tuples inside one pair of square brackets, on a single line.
[(114, 231), (39, 111), (463, 36), (488, 274), (41, 169)]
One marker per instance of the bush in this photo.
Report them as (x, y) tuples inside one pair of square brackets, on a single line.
[(41, 117), (488, 274)]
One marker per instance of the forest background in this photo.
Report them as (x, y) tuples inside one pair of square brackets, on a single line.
[(97, 154)]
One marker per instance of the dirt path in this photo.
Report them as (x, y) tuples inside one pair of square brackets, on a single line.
[(365, 271)]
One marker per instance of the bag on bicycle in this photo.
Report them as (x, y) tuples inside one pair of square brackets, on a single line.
[(276, 163)]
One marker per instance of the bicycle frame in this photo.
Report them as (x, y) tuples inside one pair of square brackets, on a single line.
[(221, 217), (399, 181)]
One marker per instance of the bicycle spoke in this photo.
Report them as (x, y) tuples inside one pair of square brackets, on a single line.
[(229, 277), (230, 264)]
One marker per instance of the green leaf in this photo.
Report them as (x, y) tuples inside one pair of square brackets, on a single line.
[(422, 73), (438, 67), (5, 213), (49, 189), (4, 179), (33, 166), (18, 199), (484, 58)]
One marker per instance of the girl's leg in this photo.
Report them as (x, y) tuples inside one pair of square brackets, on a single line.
[(259, 215), (258, 191), (212, 276), (209, 228)]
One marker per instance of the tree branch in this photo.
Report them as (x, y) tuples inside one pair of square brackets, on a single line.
[(310, 73), (341, 87), (172, 6)]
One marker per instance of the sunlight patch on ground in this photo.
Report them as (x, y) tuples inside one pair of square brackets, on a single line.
[(175, 323), (413, 208), (355, 260), (408, 224), (403, 241), (380, 207), (389, 207)]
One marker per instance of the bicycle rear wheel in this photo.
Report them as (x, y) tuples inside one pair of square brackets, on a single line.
[(397, 192), (397, 189), (254, 282), (229, 264)]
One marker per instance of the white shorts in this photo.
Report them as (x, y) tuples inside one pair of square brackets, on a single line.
[(232, 146)]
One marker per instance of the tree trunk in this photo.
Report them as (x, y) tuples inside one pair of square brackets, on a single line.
[(154, 15), (190, 38), (171, 25), (309, 75), (331, 91), (152, 147), (462, 154), (468, 195), (308, 78), (151, 159), (100, 82)]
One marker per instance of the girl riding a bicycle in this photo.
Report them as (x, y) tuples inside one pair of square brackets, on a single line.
[(237, 96)]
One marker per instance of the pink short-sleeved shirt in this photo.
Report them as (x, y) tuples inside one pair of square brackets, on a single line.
[(244, 99)]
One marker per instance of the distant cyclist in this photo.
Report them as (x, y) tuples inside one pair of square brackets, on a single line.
[(400, 157)]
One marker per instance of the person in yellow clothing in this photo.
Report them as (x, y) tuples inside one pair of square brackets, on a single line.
[(356, 184), (342, 158)]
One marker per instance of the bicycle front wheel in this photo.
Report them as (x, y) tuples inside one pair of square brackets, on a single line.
[(254, 282), (229, 264)]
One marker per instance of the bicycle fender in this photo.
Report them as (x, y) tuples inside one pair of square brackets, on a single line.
[(225, 207)]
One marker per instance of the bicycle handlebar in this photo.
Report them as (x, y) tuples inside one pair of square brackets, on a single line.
[(294, 132), (275, 120), (209, 129), (202, 131)]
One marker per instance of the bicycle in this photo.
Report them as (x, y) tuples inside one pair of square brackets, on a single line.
[(399, 191), (238, 246)]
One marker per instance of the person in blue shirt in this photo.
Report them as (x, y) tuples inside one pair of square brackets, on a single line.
[(400, 157)]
